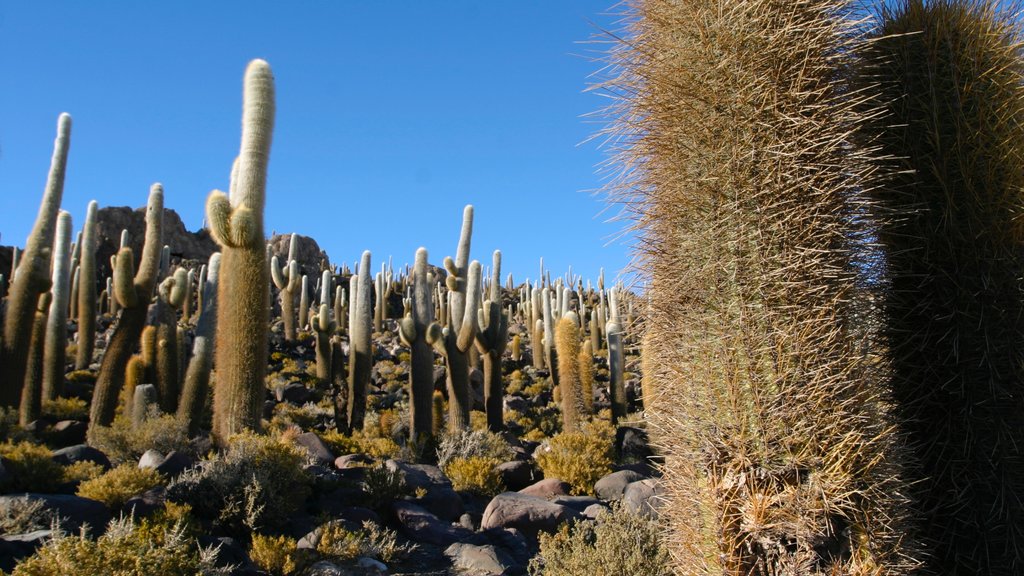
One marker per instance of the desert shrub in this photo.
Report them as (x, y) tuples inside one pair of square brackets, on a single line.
[(168, 520), (472, 443), (305, 417), (383, 486), (579, 458), (619, 543), (359, 443), (278, 555), (257, 482), (337, 543), (23, 515), (124, 551), (476, 474), (32, 468), (82, 470), (65, 409), (117, 485), (123, 443)]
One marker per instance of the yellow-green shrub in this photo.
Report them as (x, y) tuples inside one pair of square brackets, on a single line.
[(65, 409), (123, 443), (337, 543), (82, 470), (278, 555), (359, 443), (476, 474), (619, 543), (115, 487), (31, 468), (579, 458)]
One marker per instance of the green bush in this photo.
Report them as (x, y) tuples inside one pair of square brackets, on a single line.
[(123, 550), (476, 474), (619, 543), (20, 515), (115, 487), (334, 542), (258, 482), (32, 468), (123, 443), (579, 458), (472, 444), (278, 555)]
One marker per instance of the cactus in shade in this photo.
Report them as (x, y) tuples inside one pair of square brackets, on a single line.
[(243, 291), (951, 73), (197, 382), (287, 280), (516, 348), (148, 352), (491, 338), (133, 291), (32, 276), (340, 308), (616, 359), (171, 292), (437, 410), (87, 290), (134, 376), (781, 450), (339, 384), (323, 327), (360, 361), (31, 400), (144, 396), (413, 330), (56, 343), (567, 343)]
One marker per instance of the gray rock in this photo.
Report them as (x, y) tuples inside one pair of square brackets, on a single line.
[(483, 560), (67, 432), (422, 526), (644, 497), (440, 499), (294, 393), (14, 547), (528, 514), (517, 474), (594, 510), (547, 488), (577, 503), (631, 444), (79, 452), (325, 568), (352, 460), (316, 448), (613, 486), (74, 511), (150, 459)]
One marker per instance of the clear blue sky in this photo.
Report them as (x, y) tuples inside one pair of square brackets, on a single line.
[(391, 116)]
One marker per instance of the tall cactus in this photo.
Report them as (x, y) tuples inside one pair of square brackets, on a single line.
[(55, 353), (31, 403), (287, 280), (323, 327), (360, 361), (172, 293), (87, 290), (616, 359), (781, 455), (197, 376), (491, 339), (951, 73), (32, 276), (243, 293), (413, 331), (133, 291), (567, 343)]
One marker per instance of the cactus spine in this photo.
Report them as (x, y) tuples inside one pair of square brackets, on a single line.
[(57, 319), (243, 293), (360, 360), (491, 338), (133, 291), (197, 376), (413, 330), (32, 275), (950, 73), (87, 290)]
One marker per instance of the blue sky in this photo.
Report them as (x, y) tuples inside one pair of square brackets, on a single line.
[(391, 116)]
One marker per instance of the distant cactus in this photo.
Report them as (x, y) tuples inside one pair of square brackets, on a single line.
[(87, 290), (586, 370), (172, 292), (55, 354), (133, 291), (491, 338), (360, 345), (243, 292), (323, 327), (304, 303), (952, 86), (134, 376), (413, 330), (33, 275), (287, 280), (197, 377), (616, 358)]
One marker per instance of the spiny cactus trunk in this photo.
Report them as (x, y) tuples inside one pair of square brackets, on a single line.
[(951, 73), (31, 394), (33, 276), (413, 330), (197, 376), (360, 347), (494, 392), (779, 445), (87, 291), (55, 353)]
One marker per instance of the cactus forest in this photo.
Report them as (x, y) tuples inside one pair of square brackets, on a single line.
[(818, 371)]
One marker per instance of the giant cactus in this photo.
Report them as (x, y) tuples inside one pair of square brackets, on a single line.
[(33, 274), (133, 291), (236, 222), (57, 319), (87, 290), (491, 338), (413, 331), (952, 81), (360, 345), (780, 449), (197, 375)]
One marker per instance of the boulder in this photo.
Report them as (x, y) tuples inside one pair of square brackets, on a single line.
[(613, 486), (547, 488), (75, 511), (643, 497), (68, 432), (315, 447), (79, 452), (486, 560), (517, 474), (528, 514), (14, 547), (422, 526)]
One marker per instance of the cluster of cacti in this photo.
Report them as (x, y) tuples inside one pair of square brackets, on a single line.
[(287, 280)]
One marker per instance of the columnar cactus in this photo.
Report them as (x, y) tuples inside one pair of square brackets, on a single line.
[(243, 294), (550, 351), (951, 73), (172, 293), (586, 371), (616, 358), (360, 361), (87, 290), (567, 343), (323, 328), (57, 319), (32, 276), (413, 330), (197, 376), (133, 291), (304, 303), (491, 338), (30, 394), (287, 281)]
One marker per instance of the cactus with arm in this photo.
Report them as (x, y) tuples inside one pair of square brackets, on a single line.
[(413, 330), (491, 338)]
